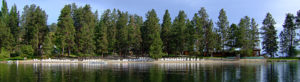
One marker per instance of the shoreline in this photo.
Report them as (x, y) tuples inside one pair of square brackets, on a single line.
[(111, 61), (101, 61)]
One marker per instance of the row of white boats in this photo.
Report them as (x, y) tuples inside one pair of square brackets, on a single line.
[(142, 59)]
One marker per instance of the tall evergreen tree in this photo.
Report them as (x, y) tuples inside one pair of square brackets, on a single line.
[(6, 38), (190, 36), (101, 34), (243, 40), (84, 22), (65, 31), (178, 31), (287, 36), (112, 31), (47, 47), (151, 26), (134, 34), (139, 23), (207, 25), (34, 21), (122, 36), (269, 32), (166, 31), (210, 36), (223, 25), (198, 25), (232, 37), (254, 35), (156, 47), (13, 24)]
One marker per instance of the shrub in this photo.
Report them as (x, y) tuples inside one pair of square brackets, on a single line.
[(4, 53), (26, 51)]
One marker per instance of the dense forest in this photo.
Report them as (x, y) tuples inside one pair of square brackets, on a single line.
[(79, 32)]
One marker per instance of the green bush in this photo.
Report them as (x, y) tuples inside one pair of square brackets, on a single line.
[(26, 51), (4, 53)]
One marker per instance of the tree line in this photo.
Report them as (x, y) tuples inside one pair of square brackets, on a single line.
[(79, 32)]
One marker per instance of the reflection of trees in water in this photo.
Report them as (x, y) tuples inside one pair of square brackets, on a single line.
[(163, 72)]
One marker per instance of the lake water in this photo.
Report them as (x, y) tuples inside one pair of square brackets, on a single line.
[(149, 72)]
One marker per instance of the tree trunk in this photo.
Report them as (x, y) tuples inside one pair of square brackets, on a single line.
[(62, 52), (69, 51)]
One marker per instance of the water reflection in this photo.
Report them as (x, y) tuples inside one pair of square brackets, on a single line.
[(149, 72)]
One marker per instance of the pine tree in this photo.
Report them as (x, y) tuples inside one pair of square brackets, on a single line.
[(6, 38), (210, 37), (112, 31), (65, 31), (287, 36), (243, 41), (190, 36), (207, 31), (47, 47), (53, 27), (196, 22), (138, 38), (34, 21), (151, 26), (134, 34), (223, 25), (14, 25), (178, 31), (269, 35), (101, 34), (232, 37), (166, 31), (156, 47), (254, 35), (85, 23), (122, 36)]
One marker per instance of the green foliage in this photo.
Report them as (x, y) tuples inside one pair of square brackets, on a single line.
[(79, 31), (287, 36), (65, 33), (179, 32), (243, 40), (151, 26), (166, 32), (190, 36), (156, 47), (199, 40), (84, 22), (47, 47), (101, 34), (269, 35), (122, 36), (232, 37), (223, 25), (254, 35), (34, 21), (53, 27), (112, 31), (6, 38), (26, 51), (4, 53), (13, 24), (134, 34)]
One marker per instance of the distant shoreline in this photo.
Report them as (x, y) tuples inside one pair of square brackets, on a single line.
[(155, 61)]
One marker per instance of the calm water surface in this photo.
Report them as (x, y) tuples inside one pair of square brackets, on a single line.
[(147, 72)]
